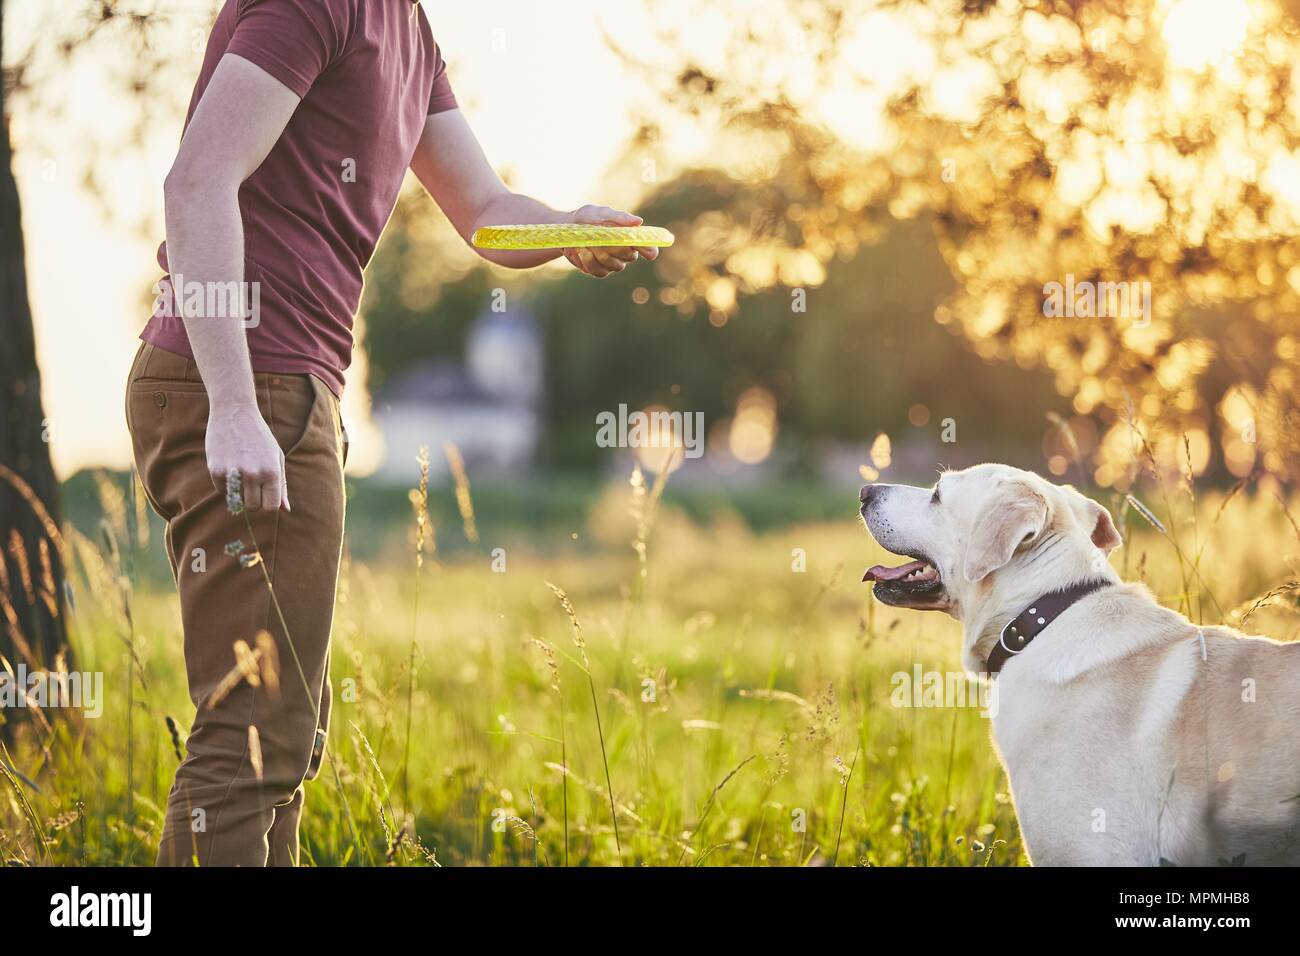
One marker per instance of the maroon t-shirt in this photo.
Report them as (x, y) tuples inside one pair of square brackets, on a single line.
[(368, 73)]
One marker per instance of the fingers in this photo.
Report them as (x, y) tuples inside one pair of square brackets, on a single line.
[(588, 263), (614, 259), (273, 486), (252, 493), (602, 261), (605, 216), (246, 461), (259, 492), (581, 259), (267, 490)]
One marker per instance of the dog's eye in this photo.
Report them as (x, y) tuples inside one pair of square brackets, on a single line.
[(934, 498)]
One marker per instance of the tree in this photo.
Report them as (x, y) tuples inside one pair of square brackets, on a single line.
[(1083, 144), (32, 590), (31, 567)]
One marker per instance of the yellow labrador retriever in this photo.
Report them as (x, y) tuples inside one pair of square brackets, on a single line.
[(1129, 734)]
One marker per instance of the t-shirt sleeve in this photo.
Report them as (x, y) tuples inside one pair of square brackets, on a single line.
[(442, 98), (293, 40)]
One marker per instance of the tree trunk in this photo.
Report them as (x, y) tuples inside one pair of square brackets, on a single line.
[(32, 628)]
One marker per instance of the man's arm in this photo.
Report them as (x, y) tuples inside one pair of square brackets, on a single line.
[(241, 115), (450, 163)]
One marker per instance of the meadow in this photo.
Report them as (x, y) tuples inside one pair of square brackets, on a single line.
[(644, 683)]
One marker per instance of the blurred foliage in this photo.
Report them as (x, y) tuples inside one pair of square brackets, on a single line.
[(636, 339), (146, 53), (423, 290), (1140, 141)]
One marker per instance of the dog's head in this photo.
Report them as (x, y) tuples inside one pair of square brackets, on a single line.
[(985, 533)]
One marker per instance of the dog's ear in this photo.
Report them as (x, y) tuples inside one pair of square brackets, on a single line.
[(1095, 520), (1104, 533), (1015, 515)]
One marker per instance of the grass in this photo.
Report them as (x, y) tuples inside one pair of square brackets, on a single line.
[(669, 692)]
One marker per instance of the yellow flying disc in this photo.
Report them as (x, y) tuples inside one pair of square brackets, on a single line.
[(567, 235)]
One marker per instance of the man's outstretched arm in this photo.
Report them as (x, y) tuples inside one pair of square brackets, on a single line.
[(241, 115), (450, 163)]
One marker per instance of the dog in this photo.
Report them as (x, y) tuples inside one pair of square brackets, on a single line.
[(1130, 736)]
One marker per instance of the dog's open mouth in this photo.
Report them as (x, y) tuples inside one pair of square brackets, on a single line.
[(916, 584)]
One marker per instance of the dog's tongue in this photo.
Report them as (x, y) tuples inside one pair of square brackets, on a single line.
[(882, 573)]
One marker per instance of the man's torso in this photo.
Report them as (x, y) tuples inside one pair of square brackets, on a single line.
[(368, 73)]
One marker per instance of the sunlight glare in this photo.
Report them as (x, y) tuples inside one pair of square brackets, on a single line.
[(1205, 33)]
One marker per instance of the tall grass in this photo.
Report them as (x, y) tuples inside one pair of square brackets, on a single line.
[(585, 666), (742, 716)]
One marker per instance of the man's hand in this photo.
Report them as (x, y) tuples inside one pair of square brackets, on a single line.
[(450, 163), (601, 262), (239, 439)]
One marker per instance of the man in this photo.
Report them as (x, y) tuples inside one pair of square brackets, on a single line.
[(304, 119)]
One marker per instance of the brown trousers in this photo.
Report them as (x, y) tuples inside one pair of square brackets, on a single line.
[(225, 810)]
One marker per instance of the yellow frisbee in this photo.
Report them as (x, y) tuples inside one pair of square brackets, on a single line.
[(568, 235)]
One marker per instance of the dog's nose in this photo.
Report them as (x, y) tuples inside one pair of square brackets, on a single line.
[(865, 494)]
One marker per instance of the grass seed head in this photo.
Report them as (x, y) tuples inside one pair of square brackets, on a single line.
[(234, 492), (268, 662), (175, 734), (464, 502), (18, 551), (255, 751), (579, 641), (552, 661), (420, 502)]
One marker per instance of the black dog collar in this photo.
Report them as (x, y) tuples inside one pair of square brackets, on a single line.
[(1031, 622)]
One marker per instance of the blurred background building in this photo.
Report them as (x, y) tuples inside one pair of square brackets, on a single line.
[(487, 404)]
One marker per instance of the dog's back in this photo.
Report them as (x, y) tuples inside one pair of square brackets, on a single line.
[(1188, 738), (1238, 749)]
